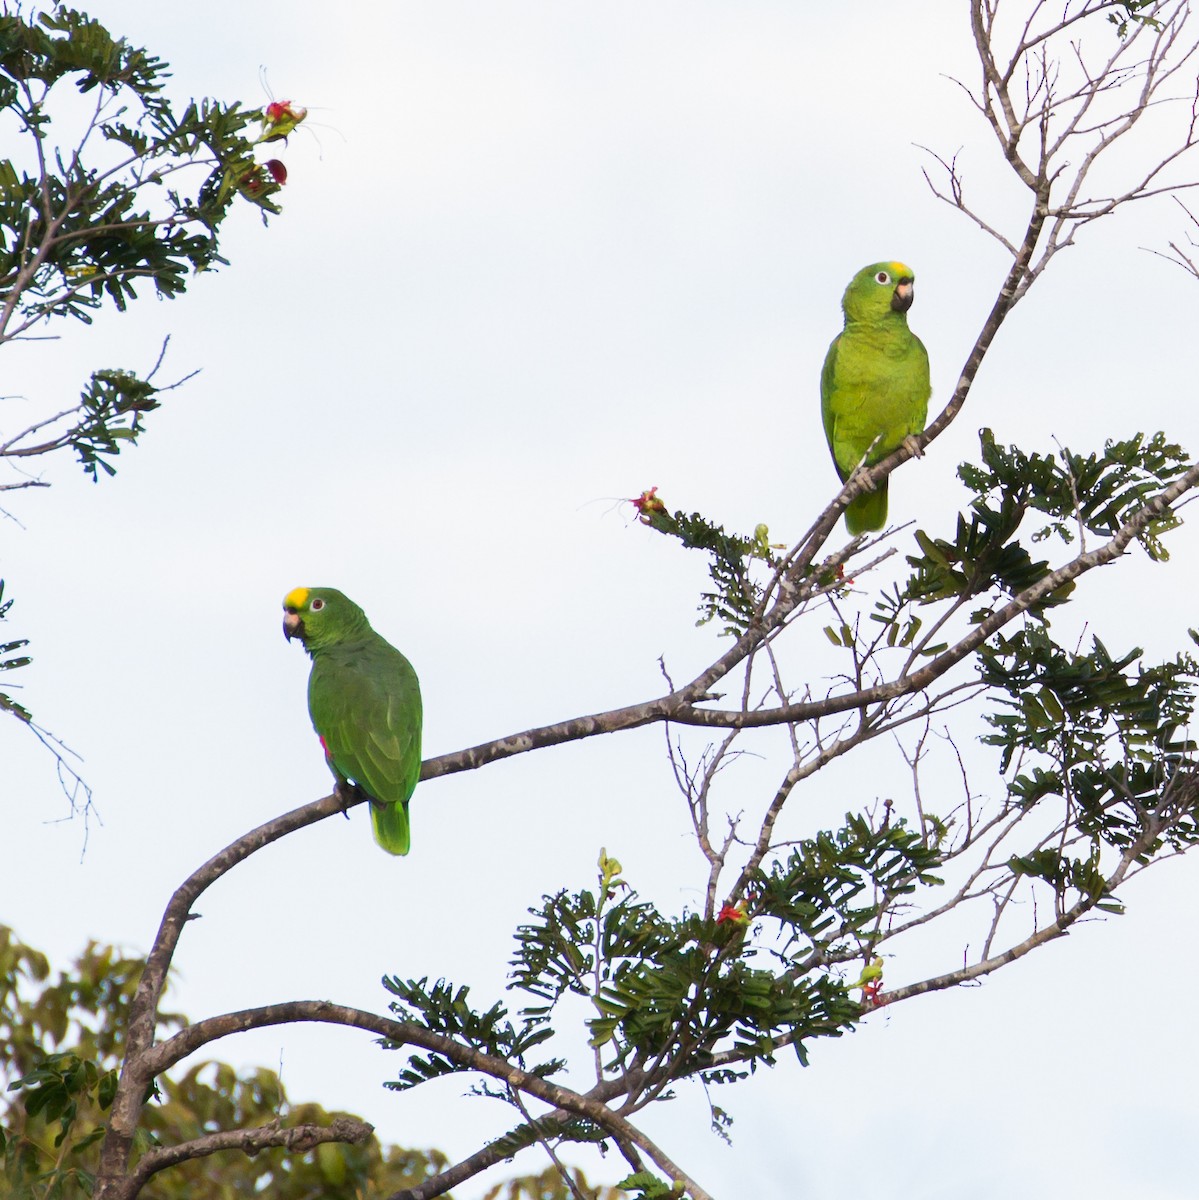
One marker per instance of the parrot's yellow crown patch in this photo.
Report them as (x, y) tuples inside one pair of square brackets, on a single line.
[(296, 598), (899, 270)]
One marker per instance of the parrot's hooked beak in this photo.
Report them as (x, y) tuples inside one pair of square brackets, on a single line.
[(293, 625), (905, 293)]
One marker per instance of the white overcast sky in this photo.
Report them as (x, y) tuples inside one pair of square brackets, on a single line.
[(536, 257)]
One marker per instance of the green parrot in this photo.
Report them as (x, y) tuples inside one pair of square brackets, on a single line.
[(874, 383), (364, 700)]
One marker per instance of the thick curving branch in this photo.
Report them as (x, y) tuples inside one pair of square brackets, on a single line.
[(402, 1033), (676, 708), (295, 1138), (143, 1009)]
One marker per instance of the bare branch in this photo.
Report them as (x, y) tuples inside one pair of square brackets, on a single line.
[(1076, 111), (1179, 257)]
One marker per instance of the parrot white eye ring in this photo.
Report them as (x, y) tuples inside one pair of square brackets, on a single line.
[(317, 604), (882, 277)]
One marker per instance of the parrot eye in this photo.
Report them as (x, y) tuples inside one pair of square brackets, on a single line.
[(882, 277), (317, 604)]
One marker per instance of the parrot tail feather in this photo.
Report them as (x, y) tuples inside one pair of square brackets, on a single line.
[(867, 513), (390, 825)]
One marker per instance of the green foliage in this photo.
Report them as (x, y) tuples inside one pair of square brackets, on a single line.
[(84, 1012), (10, 660), (987, 563), (111, 410), (836, 885), (59, 1083), (1103, 733), (1097, 493), (137, 198), (1094, 494), (979, 559), (1134, 14), (1062, 872), (535, 1132), (736, 594), (1100, 735), (96, 232), (679, 997), (444, 1009), (644, 1185), (659, 983), (213, 1096), (732, 556), (60, 1044)]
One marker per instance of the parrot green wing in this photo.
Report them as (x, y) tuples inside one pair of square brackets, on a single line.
[(365, 703), (827, 374)]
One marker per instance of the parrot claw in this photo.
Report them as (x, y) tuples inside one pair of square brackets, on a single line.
[(912, 445), (348, 793), (862, 472)]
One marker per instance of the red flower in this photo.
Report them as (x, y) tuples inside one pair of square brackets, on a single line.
[(652, 512), (279, 118), (646, 504), (734, 914), (277, 169), (870, 994)]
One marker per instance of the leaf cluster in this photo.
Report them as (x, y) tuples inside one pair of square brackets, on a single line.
[(444, 1009), (832, 889), (737, 594), (645, 1185), (10, 660), (1105, 733), (1092, 493), (686, 987), (989, 559), (111, 412), (1135, 12)]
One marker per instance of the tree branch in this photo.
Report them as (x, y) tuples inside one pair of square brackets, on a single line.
[(296, 1138), (402, 1033)]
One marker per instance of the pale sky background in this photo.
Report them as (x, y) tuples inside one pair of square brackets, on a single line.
[(534, 258)]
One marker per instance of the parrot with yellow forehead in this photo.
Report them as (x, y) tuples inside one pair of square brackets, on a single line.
[(874, 384), (364, 700)]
